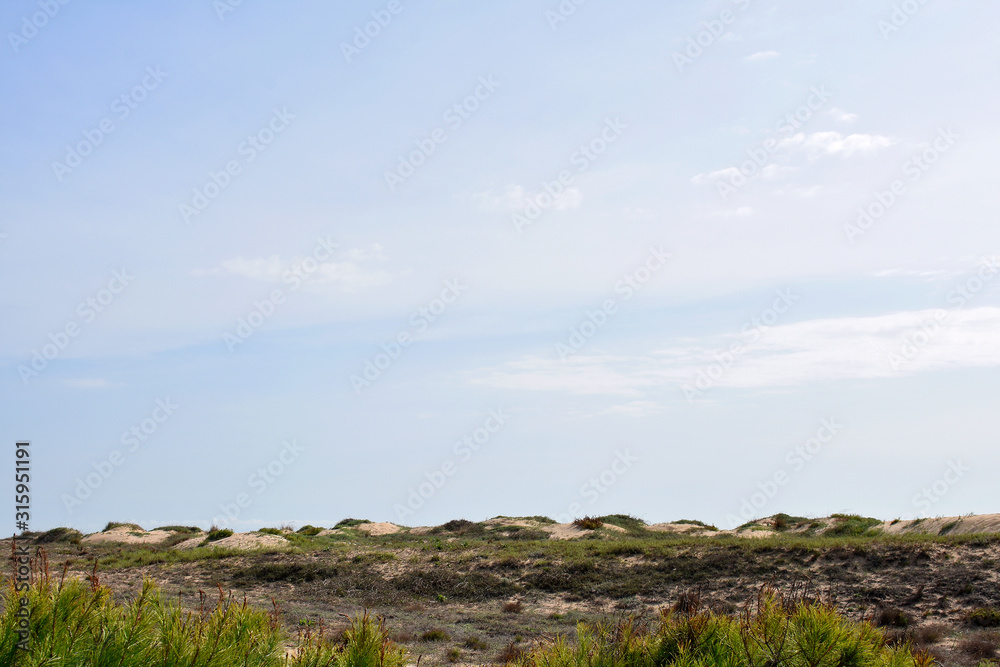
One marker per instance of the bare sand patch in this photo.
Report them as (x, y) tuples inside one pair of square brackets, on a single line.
[(250, 541), (956, 525), (128, 535), (383, 528)]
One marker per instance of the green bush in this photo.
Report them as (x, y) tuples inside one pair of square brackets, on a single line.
[(271, 531), (625, 521), (351, 523), (118, 524), (180, 529), (78, 624), (219, 534), (588, 523), (984, 617), (775, 631), (309, 531), (852, 525)]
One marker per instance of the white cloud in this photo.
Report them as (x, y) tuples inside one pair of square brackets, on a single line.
[(763, 55), (350, 272), (835, 143), (784, 356), (842, 116), (516, 198)]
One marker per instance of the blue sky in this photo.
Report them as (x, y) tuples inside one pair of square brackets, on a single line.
[(641, 255)]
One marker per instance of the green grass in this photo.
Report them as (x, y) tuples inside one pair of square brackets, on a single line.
[(309, 531), (351, 523), (625, 521), (852, 525), (695, 522), (73, 623), (180, 529), (784, 521), (219, 535)]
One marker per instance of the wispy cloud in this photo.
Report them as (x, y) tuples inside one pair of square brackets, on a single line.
[(784, 356), (516, 197), (353, 270), (763, 55), (842, 116)]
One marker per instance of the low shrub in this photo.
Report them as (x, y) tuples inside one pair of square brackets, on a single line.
[(118, 524), (75, 623), (219, 534), (588, 523), (309, 531), (436, 635), (771, 631), (984, 617)]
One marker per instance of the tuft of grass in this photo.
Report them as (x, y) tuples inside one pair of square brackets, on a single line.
[(350, 523), (453, 655), (218, 534), (625, 521), (309, 531), (513, 607), (61, 534), (180, 529), (271, 531), (948, 527), (695, 522), (588, 523), (891, 617), (117, 524), (984, 617), (852, 525), (476, 644), (980, 645), (435, 635), (783, 522)]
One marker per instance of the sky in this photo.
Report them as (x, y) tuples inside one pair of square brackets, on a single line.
[(283, 263)]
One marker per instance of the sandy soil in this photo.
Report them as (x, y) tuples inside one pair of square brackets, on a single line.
[(384, 528), (126, 535), (982, 523)]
